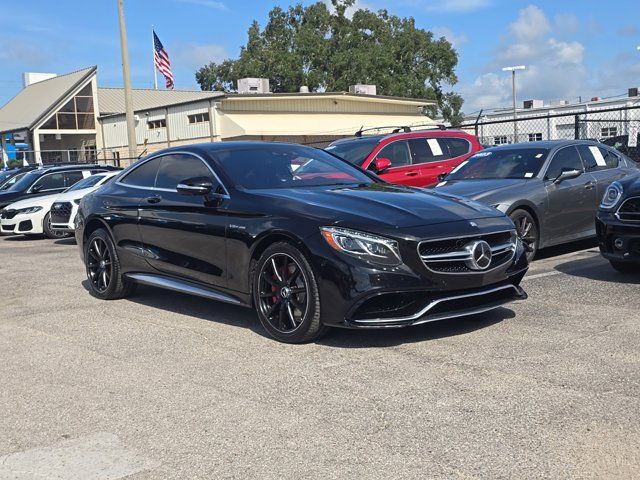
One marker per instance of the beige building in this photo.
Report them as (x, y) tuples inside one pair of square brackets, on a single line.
[(69, 118)]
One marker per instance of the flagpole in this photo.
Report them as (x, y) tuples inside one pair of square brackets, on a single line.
[(153, 56)]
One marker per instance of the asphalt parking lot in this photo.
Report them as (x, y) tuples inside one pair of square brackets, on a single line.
[(167, 386)]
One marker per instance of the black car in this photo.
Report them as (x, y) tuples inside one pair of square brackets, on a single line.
[(8, 176), (618, 225), (305, 238), (48, 180), (550, 189)]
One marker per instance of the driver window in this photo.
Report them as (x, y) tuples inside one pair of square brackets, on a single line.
[(53, 181), (397, 153), (175, 168), (564, 160)]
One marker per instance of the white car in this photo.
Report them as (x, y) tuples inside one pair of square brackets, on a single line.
[(33, 216), (65, 207)]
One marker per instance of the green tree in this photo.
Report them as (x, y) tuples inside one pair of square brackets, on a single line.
[(328, 51)]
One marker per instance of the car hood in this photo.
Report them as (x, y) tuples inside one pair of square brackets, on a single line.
[(45, 202), (74, 195), (631, 185), (481, 190), (391, 205)]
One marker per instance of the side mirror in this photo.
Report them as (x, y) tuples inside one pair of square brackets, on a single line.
[(442, 176), (567, 175), (36, 188), (195, 186), (382, 164)]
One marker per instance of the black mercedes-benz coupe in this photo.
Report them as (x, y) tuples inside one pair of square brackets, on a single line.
[(618, 225), (305, 238)]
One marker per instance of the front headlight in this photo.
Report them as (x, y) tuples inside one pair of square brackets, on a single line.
[(29, 210), (612, 196), (368, 247)]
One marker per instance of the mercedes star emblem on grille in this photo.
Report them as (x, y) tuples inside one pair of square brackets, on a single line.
[(480, 255)]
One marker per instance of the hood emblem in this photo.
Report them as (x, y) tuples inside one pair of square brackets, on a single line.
[(479, 255)]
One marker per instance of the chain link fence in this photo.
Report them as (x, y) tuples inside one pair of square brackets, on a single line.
[(612, 126)]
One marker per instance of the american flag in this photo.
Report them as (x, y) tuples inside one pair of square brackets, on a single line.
[(161, 58)]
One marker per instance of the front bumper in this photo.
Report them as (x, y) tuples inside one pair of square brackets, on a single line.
[(355, 294), (21, 224), (609, 229)]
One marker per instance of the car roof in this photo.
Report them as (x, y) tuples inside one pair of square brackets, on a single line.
[(545, 144), (80, 166), (435, 132)]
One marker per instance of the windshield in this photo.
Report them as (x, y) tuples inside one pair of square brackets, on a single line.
[(24, 182), (516, 163), (86, 183), (9, 183), (5, 175), (286, 166), (354, 151)]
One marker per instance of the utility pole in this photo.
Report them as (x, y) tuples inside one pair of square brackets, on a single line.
[(513, 88), (128, 93)]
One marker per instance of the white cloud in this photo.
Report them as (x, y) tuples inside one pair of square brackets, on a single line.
[(555, 68), (450, 35), (194, 56), (205, 3), (566, 24), (358, 5)]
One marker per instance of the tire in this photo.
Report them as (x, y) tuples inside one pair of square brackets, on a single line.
[(49, 232), (105, 279), (527, 229), (624, 267), (285, 295)]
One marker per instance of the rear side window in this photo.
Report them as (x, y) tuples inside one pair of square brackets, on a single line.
[(458, 146), (598, 158), (73, 177), (144, 175), (397, 153), (425, 150), (176, 168), (564, 160)]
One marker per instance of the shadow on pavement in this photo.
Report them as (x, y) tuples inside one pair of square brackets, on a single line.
[(66, 241), (338, 337), (601, 271), (21, 238)]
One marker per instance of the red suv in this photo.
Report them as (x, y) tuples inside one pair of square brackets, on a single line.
[(408, 157)]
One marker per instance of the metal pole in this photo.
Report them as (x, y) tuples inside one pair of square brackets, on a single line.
[(515, 120), (128, 93), (153, 57)]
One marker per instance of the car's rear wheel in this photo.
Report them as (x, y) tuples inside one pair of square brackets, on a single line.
[(50, 232), (623, 267), (285, 295), (103, 268), (527, 230)]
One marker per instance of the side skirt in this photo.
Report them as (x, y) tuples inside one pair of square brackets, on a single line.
[(184, 286)]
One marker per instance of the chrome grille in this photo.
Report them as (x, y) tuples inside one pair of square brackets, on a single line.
[(629, 211), (452, 255)]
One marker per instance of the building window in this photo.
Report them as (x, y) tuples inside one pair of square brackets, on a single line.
[(501, 140), (607, 132), (535, 137), (160, 123), (76, 114), (198, 117)]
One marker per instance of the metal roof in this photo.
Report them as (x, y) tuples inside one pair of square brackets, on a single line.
[(36, 100), (111, 100)]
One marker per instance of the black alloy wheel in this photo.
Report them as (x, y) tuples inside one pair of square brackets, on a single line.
[(286, 295), (527, 230), (50, 232), (103, 268)]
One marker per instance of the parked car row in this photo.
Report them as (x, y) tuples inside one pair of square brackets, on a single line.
[(311, 240), (26, 203)]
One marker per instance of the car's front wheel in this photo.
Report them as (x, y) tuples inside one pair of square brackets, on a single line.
[(527, 230), (285, 295), (103, 268)]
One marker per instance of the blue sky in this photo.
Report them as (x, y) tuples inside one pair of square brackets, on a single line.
[(572, 47)]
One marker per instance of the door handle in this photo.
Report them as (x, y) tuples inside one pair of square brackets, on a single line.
[(154, 199), (411, 174), (589, 185)]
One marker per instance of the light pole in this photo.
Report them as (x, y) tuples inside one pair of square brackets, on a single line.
[(128, 93), (513, 87)]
